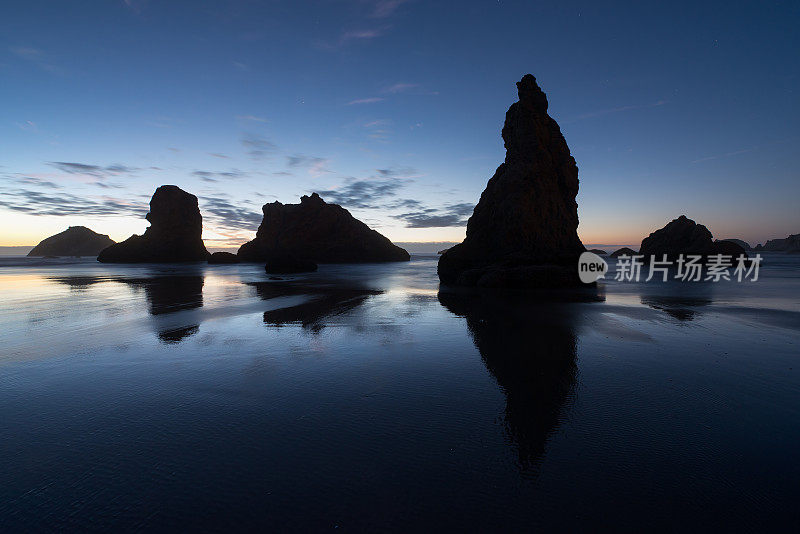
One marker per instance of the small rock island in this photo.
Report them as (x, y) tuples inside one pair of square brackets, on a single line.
[(523, 232), (174, 235), (684, 236), (74, 241), (318, 232)]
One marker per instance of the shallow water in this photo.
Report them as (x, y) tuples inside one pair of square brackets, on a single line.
[(364, 398)]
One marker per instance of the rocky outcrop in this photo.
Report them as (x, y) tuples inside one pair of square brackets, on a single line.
[(744, 244), (174, 235), (223, 258), (315, 231), (523, 232), (74, 241), (598, 251), (624, 251), (789, 245), (684, 236)]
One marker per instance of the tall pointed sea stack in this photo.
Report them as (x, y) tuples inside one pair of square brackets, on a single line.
[(315, 231), (174, 235), (523, 232)]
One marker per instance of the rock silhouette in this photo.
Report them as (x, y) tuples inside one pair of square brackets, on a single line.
[(684, 236), (523, 232), (598, 251), (74, 241), (624, 251), (790, 245), (315, 231), (744, 244), (174, 235), (223, 257)]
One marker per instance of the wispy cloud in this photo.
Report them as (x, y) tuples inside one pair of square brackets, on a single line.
[(97, 171), (256, 146), (316, 165), (35, 181), (27, 126), (34, 56), (251, 118), (400, 87), (372, 192), (220, 211), (386, 8), (726, 154), (39, 203), (371, 100), (362, 193), (360, 35), (610, 111), (448, 216), (218, 155), (215, 176)]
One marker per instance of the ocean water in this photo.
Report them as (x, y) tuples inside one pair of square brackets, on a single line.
[(364, 398)]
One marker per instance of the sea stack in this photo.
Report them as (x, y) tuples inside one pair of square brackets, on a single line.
[(74, 241), (174, 235), (684, 236), (318, 232), (523, 231)]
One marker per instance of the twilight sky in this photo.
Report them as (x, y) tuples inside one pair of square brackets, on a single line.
[(393, 108)]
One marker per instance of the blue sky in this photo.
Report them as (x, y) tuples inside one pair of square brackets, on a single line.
[(394, 109)]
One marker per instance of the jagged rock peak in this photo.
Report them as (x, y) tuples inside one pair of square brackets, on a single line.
[(523, 231), (531, 95)]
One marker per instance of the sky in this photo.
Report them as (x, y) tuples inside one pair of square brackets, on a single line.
[(393, 109)]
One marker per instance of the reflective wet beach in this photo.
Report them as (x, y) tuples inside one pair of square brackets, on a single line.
[(363, 398)]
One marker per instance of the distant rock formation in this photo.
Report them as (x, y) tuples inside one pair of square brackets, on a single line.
[(597, 251), (174, 235), (523, 232), (74, 241), (624, 251), (318, 232), (223, 258), (744, 244), (288, 265), (684, 236), (790, 245)]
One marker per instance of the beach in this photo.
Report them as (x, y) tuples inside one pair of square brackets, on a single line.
[(366, 397)]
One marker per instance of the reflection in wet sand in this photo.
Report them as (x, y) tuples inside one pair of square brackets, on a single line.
[(164, 295), (680, 308), (324, 302), (530, 349)]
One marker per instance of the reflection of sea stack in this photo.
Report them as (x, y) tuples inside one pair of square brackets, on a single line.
[(315, 231), (169, 294), (684, 236), (523, 232), (74, 241), (530, 349), (174, 235)]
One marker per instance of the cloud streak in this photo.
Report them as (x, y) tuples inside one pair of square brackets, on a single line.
[(448, 216), (256, 146), (371, 100), (38, 203), (221, 212)]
